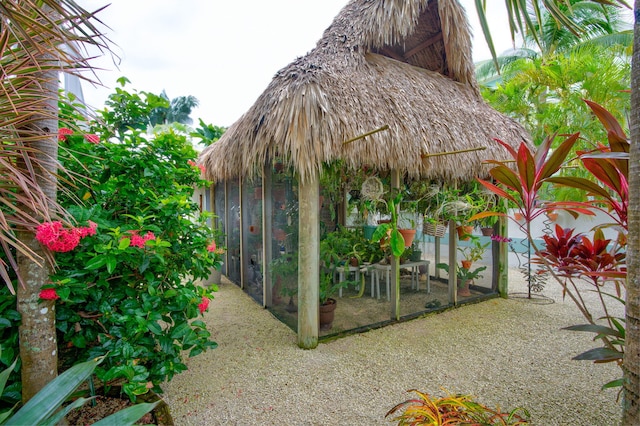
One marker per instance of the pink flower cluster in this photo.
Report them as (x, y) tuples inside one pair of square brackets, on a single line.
[(204, 305), (56, 238), (500, 239), (140, 240), (63, 132), (49, 294), (211, 247), (194, 164)]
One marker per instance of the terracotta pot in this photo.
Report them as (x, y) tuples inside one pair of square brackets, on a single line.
[(408, 235), (464, 290), (518, 217), (553, 216), (464, 230), (327, 314)]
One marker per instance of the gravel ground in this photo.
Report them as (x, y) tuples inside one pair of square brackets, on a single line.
[(510, 353)]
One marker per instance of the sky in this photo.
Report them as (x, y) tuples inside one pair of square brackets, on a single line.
[(224, 53)]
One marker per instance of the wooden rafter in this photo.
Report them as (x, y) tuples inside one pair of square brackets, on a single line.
[(436, 38)]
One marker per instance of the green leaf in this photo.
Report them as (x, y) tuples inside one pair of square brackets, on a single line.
[(46, 402), (599, 355), (96, 262), (180, 330), (613, 384), (112, 262), (4, 376), (154, 327), (124, 243), (594, 328), (128, 416)]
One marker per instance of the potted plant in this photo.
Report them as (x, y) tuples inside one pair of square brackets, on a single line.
[(416, 253), (433, 223), (473, 252), (465, 277), (284, 272), (328, 288)]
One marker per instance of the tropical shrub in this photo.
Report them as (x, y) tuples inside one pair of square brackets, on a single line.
[(126, 282)]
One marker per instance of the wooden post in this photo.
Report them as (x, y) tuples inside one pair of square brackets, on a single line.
[(308, 262), (395, 265), (453, 267), (267, 227)]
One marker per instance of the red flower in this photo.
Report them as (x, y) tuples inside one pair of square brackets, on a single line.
[(204, 305), (138, 240), (92, 138), (53, 236), (212, 247), (49, 294), (194, 164), (88, 230), (63, 132)]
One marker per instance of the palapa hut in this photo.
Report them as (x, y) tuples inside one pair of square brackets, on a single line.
[(405, 64)]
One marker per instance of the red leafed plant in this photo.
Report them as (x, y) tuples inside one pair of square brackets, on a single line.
[(569, 257)]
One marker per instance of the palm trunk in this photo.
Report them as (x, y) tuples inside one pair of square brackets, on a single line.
[(37, 331), (631, 403)]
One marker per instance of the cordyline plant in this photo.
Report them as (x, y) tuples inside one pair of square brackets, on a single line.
[(452, 410), (570, 257)]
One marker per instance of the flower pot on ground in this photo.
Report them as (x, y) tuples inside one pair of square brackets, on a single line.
[(327, 314), (465, 277)]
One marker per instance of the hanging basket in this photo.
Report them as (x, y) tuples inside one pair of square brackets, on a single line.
[(434, 229), (372, 189)]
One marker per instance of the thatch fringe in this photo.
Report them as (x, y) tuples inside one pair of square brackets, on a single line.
[(342, 89)]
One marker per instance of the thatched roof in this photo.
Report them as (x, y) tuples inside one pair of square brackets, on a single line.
[(402, 63)]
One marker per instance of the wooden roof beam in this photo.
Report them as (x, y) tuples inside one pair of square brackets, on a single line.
[(436, 38)]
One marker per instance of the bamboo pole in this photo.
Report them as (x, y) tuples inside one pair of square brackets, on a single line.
[(364, 135), (308, 263), (460, 151)]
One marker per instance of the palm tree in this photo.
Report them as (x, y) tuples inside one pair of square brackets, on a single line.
[(177, 110), (518, 20), (603, 26), (38, 41)]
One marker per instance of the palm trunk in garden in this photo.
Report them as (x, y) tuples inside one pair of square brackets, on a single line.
[(37, 331), (631, 402)]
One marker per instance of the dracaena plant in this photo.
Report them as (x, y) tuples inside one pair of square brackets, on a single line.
[(570, 257)]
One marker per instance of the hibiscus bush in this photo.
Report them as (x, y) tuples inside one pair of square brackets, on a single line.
[(126, 285)]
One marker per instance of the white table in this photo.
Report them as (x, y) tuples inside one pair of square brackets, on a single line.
[(377, 269)]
